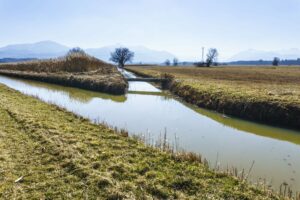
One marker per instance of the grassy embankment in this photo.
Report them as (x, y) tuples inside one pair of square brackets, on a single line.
[(75, 69), (51, 154), (265, 94)]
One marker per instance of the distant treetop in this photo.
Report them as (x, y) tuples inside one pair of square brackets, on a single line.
[(76, 50)]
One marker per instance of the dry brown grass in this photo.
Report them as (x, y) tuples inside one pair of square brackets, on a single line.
[(239, 91), (72, 62), (76, 70)]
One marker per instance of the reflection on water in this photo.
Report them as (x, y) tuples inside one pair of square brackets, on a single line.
[(147, 110), (250, 127)]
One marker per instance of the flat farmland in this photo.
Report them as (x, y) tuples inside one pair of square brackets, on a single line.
[(256, 93)]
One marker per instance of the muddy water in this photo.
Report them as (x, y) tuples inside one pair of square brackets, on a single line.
[(223, 140)]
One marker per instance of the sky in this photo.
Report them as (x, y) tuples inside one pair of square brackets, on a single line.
[(181, 27)]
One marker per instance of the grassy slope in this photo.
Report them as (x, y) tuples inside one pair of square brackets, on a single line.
[(62, 156), (258, 93)]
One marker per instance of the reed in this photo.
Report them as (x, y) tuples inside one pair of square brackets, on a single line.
[(72, 62), (75, 69)]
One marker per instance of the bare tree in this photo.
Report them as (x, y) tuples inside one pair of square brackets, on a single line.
[(167, 62), (211, 56), (276, 61), (175, 61), (121, 56)]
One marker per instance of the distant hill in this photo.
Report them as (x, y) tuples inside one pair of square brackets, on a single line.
[(252, 54), (263, 62), (43, 49), (50, 49), (9, 60)]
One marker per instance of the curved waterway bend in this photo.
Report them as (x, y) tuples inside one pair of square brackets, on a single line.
[(225, 141)]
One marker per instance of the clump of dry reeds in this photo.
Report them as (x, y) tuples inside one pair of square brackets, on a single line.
[(76, 69), (72, 62)]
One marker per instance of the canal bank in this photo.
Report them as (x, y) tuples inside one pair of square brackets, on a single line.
[(74, 70), (69, 157), (231, 97)]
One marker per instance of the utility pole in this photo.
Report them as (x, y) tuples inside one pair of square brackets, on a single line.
[(202, 54)]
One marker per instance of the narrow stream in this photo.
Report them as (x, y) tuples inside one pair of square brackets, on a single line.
[(222, 140)]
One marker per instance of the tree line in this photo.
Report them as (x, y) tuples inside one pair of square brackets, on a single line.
[(121, 56)]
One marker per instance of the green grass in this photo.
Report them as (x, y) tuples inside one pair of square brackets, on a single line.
[(57, 155), (266, 94)]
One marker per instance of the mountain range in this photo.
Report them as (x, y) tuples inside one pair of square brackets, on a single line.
[(50, 49), (44, 49), (253, 54)]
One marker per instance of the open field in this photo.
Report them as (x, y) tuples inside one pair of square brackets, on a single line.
[(52, 154), (76, 70), (266, 94)]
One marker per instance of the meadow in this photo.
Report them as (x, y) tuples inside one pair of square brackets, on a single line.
[(75, 69), (265, 94)]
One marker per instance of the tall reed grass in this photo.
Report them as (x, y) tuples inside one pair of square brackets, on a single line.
[(76, 69), (72, 62)]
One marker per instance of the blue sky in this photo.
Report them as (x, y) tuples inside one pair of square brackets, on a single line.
[(179, 26)]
